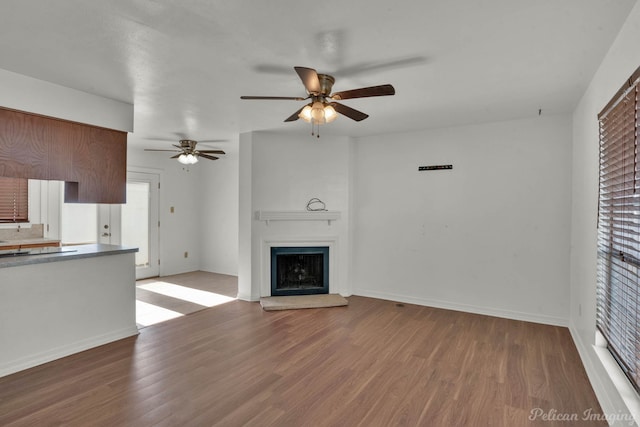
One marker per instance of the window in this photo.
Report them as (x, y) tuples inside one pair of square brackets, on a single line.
[(618, 297), (14, 200)]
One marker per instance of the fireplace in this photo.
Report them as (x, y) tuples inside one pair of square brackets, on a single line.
[(299, 270)]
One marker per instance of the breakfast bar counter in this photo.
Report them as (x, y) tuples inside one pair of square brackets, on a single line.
[(26, 256), (62, 300)]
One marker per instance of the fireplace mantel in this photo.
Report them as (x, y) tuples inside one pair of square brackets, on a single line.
[(297, 216)]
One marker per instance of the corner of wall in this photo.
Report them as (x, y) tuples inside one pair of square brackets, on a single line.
[(245, 222), (619, 62)]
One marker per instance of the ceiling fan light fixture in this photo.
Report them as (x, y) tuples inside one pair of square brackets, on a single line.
[(318, 113), (329, 114), (187, 159), (305, 114)]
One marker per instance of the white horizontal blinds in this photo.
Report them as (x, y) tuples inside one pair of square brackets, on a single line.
[(14, 200), (618, 310)]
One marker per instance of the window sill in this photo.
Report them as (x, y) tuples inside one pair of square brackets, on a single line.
[(625, 389)]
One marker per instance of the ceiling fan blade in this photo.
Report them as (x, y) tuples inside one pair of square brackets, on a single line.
[(368, 67), (206, 156), (309, 78), (156, 149), (176, 156), (382, 90), (160, 139), (178, 146), (282, 98), (294, 116), (212, 151), (349, 112)]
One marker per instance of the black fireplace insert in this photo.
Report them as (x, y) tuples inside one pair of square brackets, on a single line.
[(299, 270)]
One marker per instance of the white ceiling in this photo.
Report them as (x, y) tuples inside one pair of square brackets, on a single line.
[(184, 64)]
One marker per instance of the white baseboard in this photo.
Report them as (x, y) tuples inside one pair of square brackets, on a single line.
[(66, 350), (248, 298), (488, 311)]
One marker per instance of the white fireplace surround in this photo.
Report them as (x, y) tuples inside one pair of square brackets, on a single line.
[(271, 242)]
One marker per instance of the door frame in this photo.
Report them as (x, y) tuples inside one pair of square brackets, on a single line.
[(154, 220)]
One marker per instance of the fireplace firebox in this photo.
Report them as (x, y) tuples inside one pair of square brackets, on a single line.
[(299, 270)]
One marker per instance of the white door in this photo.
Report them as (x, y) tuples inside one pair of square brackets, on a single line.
[(135, 223), (109, 224), (138, 226)]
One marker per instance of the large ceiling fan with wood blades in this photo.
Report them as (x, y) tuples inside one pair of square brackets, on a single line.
[(188, 154), (323, 107)]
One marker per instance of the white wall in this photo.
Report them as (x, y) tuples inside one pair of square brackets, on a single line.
[(620, 62), (490, 236), (287, 171), (78, 221), (180, 187), (219, 189), (205, 218), (37, 96)]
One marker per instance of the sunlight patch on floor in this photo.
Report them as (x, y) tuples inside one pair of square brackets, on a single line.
[(149, 314), (196, 296)]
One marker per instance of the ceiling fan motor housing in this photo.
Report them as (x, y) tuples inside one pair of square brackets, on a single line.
[(188, 144), (326, 84)]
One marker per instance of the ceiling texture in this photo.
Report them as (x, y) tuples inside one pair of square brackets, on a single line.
[(184, 64)]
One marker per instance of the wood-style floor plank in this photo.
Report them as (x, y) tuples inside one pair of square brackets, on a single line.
[(371, 363)]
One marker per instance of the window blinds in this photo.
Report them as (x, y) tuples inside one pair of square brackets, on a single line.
[(618, 310), (14, 200)]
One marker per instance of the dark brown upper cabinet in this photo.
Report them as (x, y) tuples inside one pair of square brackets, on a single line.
[(91, 160)]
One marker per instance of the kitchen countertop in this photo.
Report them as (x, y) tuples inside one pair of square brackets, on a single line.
[(66, 253), (27, 241)]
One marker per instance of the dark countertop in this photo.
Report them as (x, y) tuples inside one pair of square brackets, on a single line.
[(61, 254)]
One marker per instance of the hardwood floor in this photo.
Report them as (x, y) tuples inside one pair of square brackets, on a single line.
[(372, 363), (186, 293)]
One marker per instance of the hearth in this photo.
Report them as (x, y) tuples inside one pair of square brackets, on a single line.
[(299, 270)]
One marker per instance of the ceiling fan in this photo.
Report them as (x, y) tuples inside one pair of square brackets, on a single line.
[(188, 154), (323, 107)]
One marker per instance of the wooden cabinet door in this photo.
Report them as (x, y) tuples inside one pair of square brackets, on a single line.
[(91, 160)]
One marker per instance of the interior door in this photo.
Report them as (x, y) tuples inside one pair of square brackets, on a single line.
[(139, 223)]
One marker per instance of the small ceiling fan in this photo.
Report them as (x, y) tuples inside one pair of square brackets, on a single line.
[(188, 154), (323, 107)]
